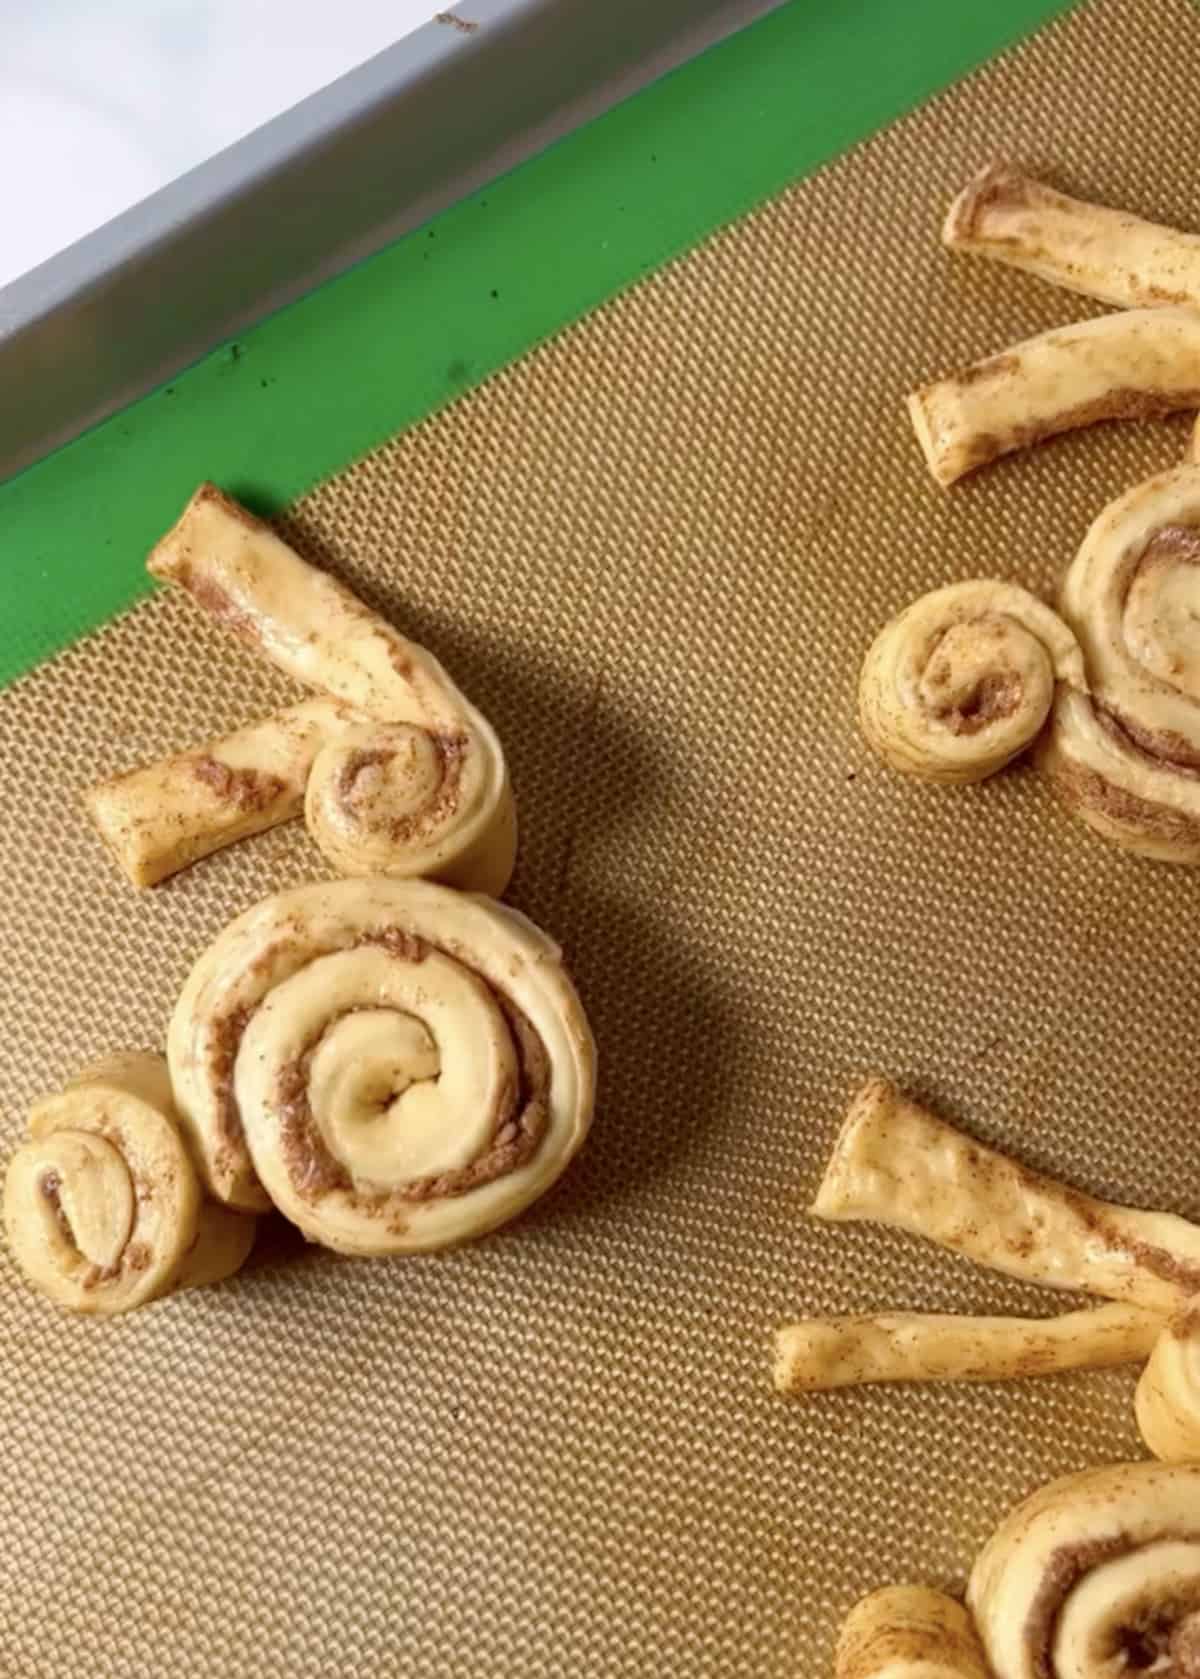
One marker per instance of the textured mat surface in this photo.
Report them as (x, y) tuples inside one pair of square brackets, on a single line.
[(653, 552)]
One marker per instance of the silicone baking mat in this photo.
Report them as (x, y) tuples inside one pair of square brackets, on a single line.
[(653, 552)]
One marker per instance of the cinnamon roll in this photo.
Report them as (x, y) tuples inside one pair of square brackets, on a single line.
[(1140, 364), (396, 1066), (964, 679), (897, 1164), (1168, 1394), (103, 1208), (908, 1632), (1126, 754), (1094, 1577), (396, 771), (1109, 254), (821, 1353)]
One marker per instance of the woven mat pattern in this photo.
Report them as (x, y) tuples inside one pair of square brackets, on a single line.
[(653, 552)]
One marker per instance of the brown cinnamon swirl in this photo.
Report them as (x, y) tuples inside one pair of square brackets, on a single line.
[(103, 1207), (1097, 1576), (964, 679)]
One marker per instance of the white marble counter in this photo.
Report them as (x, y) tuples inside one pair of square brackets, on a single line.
[(103, 101)]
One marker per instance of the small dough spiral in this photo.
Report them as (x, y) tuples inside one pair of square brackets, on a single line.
[(382, 791), (395, 770), (103, 1208), (1097, 1576), (908, 1632), (395, 1065), (1126, 754), (1168, 1394), (964, 679)]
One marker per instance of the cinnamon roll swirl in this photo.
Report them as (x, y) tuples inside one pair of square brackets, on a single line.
[(396, 1066), (103, 1208), (1097, 1576), (1126, 753), (963, 680)]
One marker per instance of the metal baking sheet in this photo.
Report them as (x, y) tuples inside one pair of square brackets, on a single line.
[(653, 552), (369, 157)]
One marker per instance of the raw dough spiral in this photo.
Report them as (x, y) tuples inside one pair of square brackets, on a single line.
[(103, 1208), (402, 1066), (1097, 1576), (964, 679), (1126, 755), (1168, 1394)]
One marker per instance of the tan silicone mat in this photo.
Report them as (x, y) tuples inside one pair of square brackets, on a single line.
[(653, 552)]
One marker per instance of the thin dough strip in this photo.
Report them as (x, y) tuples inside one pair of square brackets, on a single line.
[(1109, 254), (896, 1164), (158, 819), (822, 1353), (1141, 364)]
